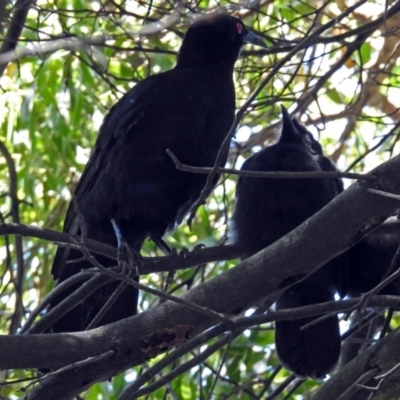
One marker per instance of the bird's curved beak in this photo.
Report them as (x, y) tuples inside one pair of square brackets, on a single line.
[(253, 38)]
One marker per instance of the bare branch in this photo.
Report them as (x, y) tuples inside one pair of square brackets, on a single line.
[(272, 174), (69, 43), (385, 194), (18, 279), (15, 29), (150, 264)]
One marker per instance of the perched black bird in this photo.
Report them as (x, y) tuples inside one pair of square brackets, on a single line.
[(130, 188), (267, 209)]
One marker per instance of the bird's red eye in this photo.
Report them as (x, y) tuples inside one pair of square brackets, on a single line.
[(239, 27)]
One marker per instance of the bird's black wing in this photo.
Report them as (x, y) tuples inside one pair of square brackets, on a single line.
[(130, 178), (136, 99)]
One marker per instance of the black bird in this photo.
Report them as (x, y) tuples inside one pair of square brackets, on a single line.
[(267, 209), (130, 188)]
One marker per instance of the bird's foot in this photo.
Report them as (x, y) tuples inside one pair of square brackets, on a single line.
[(173, 252), (129, 259), (199, 246), (161, 244), (185, 251)]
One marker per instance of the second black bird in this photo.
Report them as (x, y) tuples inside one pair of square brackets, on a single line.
[(266, 210)]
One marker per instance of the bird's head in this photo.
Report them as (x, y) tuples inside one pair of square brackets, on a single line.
[(216, 38), (294, 132)]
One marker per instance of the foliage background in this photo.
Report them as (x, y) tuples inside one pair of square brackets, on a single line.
[(344, 86)]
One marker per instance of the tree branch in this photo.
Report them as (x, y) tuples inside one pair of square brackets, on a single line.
[(270, 174), (150, 264), (18, 279), (15, 29)]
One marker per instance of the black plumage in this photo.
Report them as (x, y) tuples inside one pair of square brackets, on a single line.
[(267, 209), (369, 263), (130, 179)]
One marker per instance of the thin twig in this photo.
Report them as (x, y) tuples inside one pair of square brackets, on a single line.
[(271, 174), (57, 290), (130, 395), (78, 364), (191, 344), (80, 294), (281, 388), (70, 43), (384, 194), (133, 390), (18, 280), (221, 364), (355, 387), (110, 301)]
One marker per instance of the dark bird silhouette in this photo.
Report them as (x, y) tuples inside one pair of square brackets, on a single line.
[(130, 188), (267, 209)]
